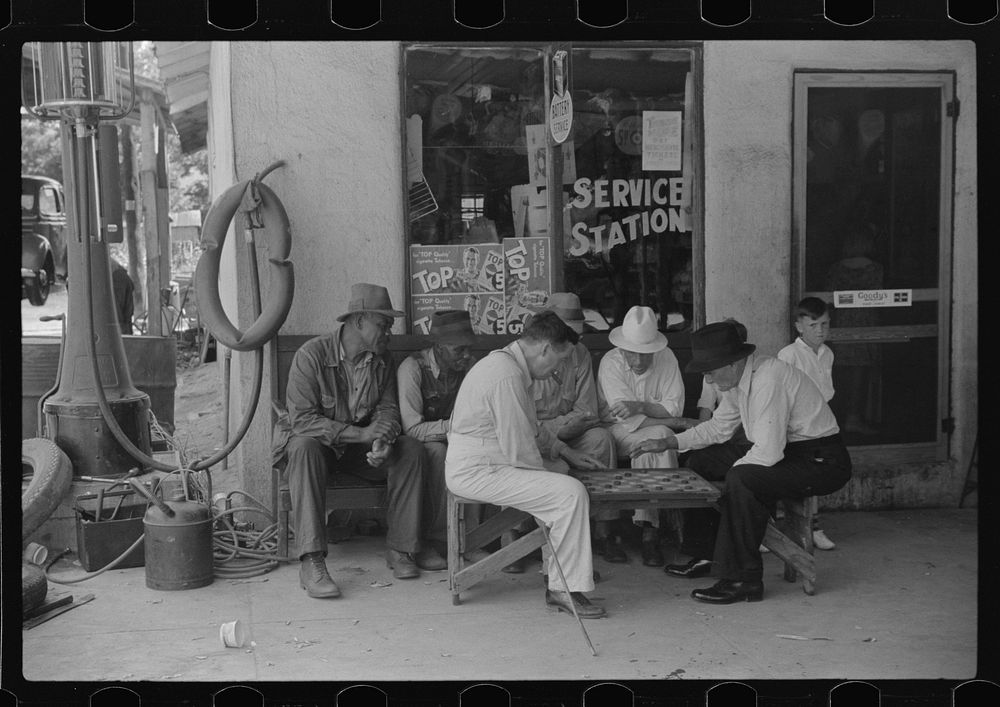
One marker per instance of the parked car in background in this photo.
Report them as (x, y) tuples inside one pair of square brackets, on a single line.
[(43, 236)]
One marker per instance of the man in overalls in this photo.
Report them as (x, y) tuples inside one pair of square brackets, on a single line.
[(428, 383)]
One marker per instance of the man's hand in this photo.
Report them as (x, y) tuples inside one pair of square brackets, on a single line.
[(679, 424), (625, 409), (579, 460), (577, 426), (379, 453), (660, 444), (385, 430)]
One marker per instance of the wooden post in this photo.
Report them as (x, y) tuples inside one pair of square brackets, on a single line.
[(163, 214), (150, 222), (136, 249)]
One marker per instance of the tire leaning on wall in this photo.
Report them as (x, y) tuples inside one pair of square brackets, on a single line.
[(52, 475), (277, 236)]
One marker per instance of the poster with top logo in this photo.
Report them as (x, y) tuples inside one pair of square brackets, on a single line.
[(527, 279), (438, 269), (468, 277)]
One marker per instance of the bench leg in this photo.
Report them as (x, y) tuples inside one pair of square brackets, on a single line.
[(797, 526), (456, 543), (284, 505)]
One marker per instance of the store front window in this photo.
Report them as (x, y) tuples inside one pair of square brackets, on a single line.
[(479, 142), (873, 218)]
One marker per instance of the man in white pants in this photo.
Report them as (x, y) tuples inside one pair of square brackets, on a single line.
[(642, 395), (495, 454)]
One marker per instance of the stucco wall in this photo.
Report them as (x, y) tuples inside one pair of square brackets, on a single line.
[(748, 222), (331, 111)]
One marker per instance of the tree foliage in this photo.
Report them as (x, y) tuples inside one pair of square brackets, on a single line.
[(41, 151)]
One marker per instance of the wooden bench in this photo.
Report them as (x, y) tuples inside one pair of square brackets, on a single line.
[(347, 492)]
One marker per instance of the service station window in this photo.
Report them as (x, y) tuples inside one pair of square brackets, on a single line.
[(480, 127)]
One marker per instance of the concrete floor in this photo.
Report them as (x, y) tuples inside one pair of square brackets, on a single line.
[(897, 599)]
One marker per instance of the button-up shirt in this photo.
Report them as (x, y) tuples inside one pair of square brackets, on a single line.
[(496, 404), (660, 383), (325, 393), (775, 402), (426, 396), (818, 365), (557, 403)]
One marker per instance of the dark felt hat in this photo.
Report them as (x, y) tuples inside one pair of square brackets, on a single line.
[(366, 297), (716, 345), (452, 326)]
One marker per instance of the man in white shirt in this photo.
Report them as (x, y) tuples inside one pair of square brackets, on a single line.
[(496, 448), (795, 450), (642, 395)]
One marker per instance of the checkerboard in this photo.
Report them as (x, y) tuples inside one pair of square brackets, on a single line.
[(646, 485)]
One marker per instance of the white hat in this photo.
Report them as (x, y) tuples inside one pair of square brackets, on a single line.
[(638, 332)]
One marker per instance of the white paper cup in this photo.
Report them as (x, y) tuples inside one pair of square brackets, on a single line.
[(35, 554), (232, 634)]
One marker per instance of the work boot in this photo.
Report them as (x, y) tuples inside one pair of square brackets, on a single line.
[(402, 564), (429, 559), (314, 577)]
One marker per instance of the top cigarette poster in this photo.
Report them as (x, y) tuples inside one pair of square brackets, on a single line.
[(439, 269), (661, 140)]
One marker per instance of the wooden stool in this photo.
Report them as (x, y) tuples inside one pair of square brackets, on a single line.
[(791, 540), (460, 538)]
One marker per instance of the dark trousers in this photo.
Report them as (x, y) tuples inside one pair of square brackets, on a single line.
[(309, 462), (732, 537)]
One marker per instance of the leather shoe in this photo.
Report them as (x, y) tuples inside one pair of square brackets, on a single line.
[(560, 601), (726, 591), (652, 556), (429, 559), (610, 550), (691, 569), (315, 579), (515, 567), (474, 556), (401, 564)]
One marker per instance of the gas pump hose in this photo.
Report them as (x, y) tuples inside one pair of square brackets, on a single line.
[(264, 561)]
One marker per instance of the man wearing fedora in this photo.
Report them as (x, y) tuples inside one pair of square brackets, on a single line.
[(642, 393), (496, 449), (428, 383), (343, 418), (793, 449), (566, 406)]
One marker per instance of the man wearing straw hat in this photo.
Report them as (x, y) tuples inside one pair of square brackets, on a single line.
[(642, 396), (428, 383), (794, 449), (495, 455), (343, 418)]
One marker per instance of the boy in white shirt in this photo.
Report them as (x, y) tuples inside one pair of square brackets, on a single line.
[(813, 357)]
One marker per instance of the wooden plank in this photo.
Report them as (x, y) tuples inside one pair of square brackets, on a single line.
[(31, 623), (49, 606), (788, 551), (494, 527), (468, 576)]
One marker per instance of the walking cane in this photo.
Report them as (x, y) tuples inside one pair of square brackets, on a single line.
[(572, 605)]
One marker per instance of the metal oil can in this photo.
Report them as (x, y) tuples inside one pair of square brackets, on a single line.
[(178, 541)]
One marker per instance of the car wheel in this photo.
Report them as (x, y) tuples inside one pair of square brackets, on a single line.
[(39, 286)]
